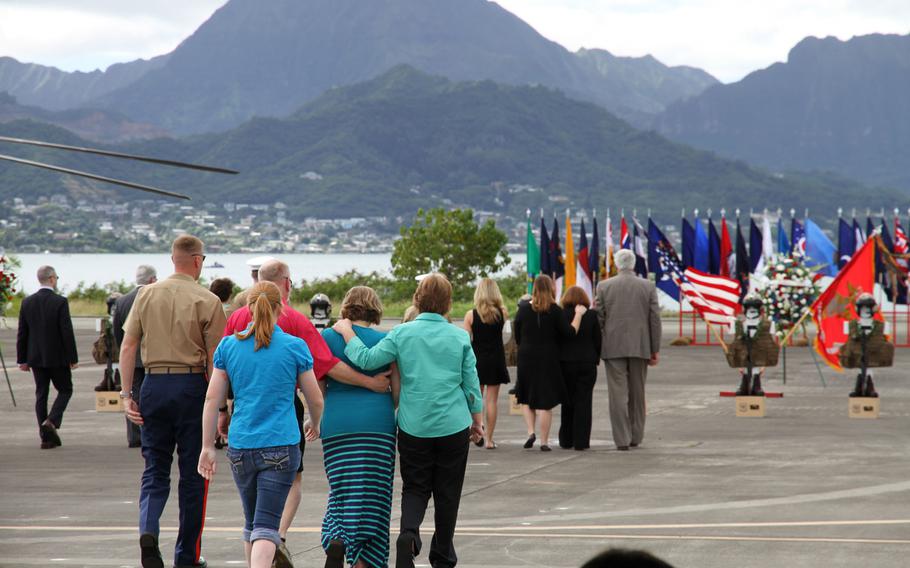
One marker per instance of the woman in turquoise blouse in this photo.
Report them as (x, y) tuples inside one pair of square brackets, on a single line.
[(358, 441), (439, 412)]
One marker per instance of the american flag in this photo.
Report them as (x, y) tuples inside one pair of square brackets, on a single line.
[(900, 243), (715, 298)]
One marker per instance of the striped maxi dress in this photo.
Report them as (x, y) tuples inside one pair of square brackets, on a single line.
[(358, 442)]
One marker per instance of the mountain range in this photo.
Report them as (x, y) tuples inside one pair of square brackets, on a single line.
[(839, 106), (91, 124), (253, 58), (408, 139)]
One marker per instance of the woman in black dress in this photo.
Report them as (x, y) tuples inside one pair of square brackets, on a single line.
[(578, 356), (484, 324), (539, 326)]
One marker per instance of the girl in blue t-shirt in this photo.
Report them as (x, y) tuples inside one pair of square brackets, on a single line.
[(264, 366)]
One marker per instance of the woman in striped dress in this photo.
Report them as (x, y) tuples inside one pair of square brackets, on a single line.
[(358, 441)]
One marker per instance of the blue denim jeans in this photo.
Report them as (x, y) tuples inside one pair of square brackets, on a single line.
[(263, 477)]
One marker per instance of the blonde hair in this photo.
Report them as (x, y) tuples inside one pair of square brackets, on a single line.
[(187, 244), (362, 303), (488, 301), (264, 299), (543, 295)]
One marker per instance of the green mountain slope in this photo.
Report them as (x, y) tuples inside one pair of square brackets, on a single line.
[(834, 105), (408, 140)]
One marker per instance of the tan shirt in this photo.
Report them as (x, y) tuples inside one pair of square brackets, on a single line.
[(178, 321)]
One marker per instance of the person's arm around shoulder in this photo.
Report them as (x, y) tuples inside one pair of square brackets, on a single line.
[(383, 353), (69, 337), (470, 385), (655, 326)]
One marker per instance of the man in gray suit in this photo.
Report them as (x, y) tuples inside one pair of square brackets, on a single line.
[(145, 275), (629, 316)]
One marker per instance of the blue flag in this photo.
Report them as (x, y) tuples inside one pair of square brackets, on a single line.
[(755, 246), (700, 257), (594, 256), (662, 261), (557, 269), (688, 244), (713, 248), (783, 243), (846, 242), (742, 261), (544, 249), (820, 251), (797, 238)]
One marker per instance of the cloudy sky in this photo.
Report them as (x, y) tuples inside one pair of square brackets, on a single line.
[(728, 38)]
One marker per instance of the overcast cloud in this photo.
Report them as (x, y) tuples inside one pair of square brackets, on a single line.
[(727, 38)]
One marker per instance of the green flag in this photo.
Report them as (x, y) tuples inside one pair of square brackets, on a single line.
[(533, 257)]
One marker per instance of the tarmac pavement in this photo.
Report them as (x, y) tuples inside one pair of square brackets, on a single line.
[(804, 486)]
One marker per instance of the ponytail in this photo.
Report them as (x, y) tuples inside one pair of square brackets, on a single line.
[(263, 302)]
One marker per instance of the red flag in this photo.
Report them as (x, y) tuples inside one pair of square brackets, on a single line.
[(835, 306), (726, 251), (901, 246)]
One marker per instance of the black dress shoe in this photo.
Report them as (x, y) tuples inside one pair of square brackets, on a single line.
[(530, 443), (622, 448), (633, 445), (334, 555), (47, 446), (404, 551), (49, 433), (151, 556), (545, 448)]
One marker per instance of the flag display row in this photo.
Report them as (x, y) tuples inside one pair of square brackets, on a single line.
[(718, 249)]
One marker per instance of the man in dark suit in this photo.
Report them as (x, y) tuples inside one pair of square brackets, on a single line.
[(46, 346), (145, 274)]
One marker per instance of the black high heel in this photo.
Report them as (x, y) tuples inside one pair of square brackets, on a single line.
[(530, 443)]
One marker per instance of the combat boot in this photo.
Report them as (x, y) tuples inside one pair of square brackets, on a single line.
[(860, 383), (870, 389), (756, 386), (743, 386), (107, 383)]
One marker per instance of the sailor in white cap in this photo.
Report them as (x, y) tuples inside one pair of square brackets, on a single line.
[(254, 264)]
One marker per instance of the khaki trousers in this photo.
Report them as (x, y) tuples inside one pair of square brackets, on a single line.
[(626, 387)]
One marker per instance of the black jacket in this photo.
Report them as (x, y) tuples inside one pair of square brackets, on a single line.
[(583, 347), (122, 308), (45, 337)]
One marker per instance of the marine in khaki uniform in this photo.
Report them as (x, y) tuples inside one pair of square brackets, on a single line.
[(178, 325)]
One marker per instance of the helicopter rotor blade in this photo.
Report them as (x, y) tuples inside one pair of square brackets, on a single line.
[(160, 161), (94, 177)]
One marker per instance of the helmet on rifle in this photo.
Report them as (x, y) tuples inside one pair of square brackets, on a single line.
[(320, 307), (866, 300), (753, 301)]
